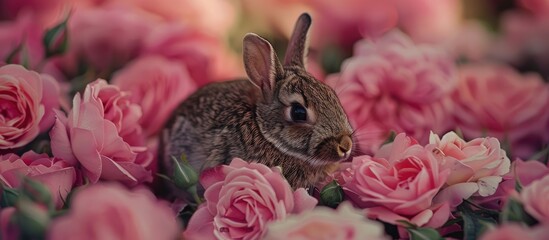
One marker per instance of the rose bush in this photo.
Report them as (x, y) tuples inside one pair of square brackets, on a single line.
[(241, 199), (27, 104)]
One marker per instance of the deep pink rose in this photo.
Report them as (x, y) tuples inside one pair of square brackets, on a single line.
[(106, 38), (241, 198), (25, 33), (27, 104), (102, 135), (204, 56), (476, 166), (393, 84), (158, 86), (399, 183), (8, 230), (110, 211), (535, 197), (512, 231), (540, 8), (54, 173), (345, 223), (497, 101)]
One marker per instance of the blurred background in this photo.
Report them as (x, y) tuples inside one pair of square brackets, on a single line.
[(138, 44)]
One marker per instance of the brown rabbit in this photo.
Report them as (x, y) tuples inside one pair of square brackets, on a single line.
[(281, 116)]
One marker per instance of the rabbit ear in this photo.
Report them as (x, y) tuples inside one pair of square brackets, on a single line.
[(261, 63), (297, 47)]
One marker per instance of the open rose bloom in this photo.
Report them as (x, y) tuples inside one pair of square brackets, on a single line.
[(241, 199), (399, 183)]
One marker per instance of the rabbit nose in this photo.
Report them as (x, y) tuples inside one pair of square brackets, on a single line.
[(344, 147)]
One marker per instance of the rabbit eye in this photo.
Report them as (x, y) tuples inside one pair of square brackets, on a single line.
[(298, 113)]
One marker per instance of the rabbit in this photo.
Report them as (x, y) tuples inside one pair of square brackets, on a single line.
[(282, 116)]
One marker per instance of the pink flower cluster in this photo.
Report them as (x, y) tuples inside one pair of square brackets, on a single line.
[(393, 85), (406, 181)]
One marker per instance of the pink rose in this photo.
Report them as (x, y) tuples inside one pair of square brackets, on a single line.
[(202, 55), (495, 100), (22, 32), (106, 38), (540, 8), (109, 211), (399, 183), (516, 232), (523, 171), (392, 84), (26, 109), (102, 135), (326, 223), (429, 20), (345, 22), (535, 197), (54, 173), (8, 230), (476, 166), (241, 198), (158, 86)]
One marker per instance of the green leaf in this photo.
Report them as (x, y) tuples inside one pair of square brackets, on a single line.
[(424, 234), (474, 224), (9, 197), (55, 40), (513, 211), (331, 195)]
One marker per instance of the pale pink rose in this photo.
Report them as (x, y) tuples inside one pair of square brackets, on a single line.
[(110, 211), (497, 101), (326, 223), (158, 86), (56, 175), (107, 38), (476, 166), (241, 198), (535, 197), (8, 230), (511, 231), (102, 135), (26, 109), (429, 20), (204, 56), (391, 84), (22, 32), (399, 183)]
